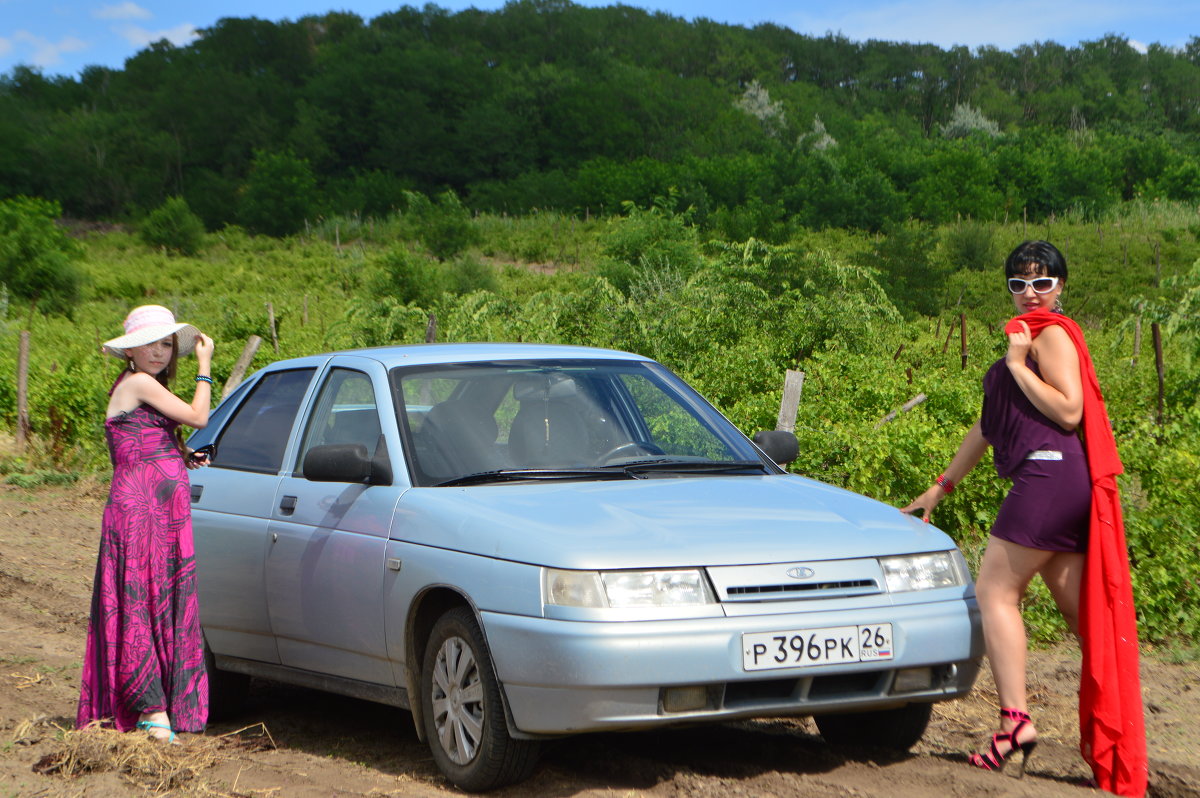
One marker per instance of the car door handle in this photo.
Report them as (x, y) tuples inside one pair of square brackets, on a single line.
[(196, 491), (287, 505)]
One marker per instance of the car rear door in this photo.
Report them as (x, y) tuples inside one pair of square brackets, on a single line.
[(326, 564)]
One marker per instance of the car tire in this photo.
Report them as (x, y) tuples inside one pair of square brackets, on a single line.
[(463, 711), (895, 729), (226, 690)]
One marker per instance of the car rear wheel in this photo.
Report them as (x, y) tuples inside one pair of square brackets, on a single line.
[(463, 712), (897, 729), (226, 690)]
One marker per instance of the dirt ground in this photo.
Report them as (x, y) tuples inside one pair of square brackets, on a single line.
[(293, 742)]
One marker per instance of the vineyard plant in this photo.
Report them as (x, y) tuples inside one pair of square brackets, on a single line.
[(873, 319)]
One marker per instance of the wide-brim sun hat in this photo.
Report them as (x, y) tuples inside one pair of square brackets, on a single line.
[(149, 323)]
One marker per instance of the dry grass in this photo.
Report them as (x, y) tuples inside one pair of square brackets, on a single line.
[(139, 759)]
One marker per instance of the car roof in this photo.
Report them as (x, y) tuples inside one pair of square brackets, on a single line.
[(432, 354)]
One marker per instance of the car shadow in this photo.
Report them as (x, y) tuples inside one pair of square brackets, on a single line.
[(383, 738)]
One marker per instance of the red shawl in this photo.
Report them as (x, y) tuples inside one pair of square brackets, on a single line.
[(1112, 733)]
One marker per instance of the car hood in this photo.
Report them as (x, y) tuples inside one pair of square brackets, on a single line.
[(661, 522)]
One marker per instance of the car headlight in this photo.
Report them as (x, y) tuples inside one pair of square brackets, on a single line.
[(620, 589), (925, 571)]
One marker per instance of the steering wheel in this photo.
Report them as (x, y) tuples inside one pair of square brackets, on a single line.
[(627, 449)]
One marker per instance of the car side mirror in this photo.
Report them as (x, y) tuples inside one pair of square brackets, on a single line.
[(780, 445), (338, 462)]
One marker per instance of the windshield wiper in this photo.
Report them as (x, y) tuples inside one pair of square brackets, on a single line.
[(689, 466), (517, 474)]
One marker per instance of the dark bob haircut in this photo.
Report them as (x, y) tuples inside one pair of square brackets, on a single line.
[(1034, 256)]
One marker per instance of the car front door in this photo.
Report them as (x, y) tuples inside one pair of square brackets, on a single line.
[(326, 565), (231, 508)]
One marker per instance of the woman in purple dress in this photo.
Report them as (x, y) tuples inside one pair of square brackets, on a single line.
[(1033, 403), (144, 663)]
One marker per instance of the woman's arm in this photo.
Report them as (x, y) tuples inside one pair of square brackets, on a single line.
[(1059, 391), (969, 453)]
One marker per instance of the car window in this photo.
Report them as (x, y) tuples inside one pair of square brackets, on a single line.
[(345, 412), (671, 427), (256, 436), (462, 419)]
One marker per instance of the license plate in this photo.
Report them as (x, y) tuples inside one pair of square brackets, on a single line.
[(798, 648)]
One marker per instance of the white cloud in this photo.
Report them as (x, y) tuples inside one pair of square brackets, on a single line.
[(1141, 47), (140, 37), (5, 46), (991, 22), (43, 52), (126, 10)]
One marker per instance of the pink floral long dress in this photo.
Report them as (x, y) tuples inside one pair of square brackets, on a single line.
[(144, 645)]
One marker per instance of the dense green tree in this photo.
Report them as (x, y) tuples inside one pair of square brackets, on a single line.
[(545, 103), (279, 194)]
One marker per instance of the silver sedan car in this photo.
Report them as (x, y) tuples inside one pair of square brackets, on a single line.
[(516, 542)]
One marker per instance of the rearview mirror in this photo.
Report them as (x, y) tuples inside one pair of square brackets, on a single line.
[(339, 462), (780, 445)]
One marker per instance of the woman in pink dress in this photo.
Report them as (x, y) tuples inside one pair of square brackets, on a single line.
[(144, 663)]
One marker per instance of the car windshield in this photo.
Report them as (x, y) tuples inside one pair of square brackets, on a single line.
[(574, 419)]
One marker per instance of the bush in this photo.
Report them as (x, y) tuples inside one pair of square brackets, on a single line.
[(173, 227), (970, 245), (444, 226), (37, 259)]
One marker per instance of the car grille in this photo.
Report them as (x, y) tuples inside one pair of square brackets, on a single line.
[(763, 590), (797, 581)]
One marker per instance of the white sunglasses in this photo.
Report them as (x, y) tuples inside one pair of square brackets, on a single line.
[(1040, 285)]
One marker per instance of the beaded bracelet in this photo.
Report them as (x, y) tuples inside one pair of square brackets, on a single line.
[(946, 483), (202, 378)]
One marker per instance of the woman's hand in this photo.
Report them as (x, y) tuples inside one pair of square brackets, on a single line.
[(204, 350), (1019, 344), (924, 504), (194, 460)]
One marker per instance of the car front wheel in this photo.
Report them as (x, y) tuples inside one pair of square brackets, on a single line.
[(897, 729), (463, 712)]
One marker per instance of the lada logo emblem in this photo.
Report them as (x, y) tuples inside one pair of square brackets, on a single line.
[(800, 573)]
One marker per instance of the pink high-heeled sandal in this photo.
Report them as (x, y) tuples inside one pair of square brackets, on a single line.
[(997, 760)]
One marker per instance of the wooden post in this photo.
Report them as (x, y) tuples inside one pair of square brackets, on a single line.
[(1137, 338), (1158, 366), (898, 351), (908, 373), (1024, 223), (23, 392), (431, 329), (950, 332), (789, 405), (907, 406), (271, 323), (243, 363), (962, 328)]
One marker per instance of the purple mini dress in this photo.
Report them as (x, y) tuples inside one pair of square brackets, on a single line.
[(1049, 504)]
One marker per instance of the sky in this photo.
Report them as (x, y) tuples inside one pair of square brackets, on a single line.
[(61, 37)]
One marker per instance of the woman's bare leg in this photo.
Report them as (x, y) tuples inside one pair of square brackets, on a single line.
[(1063, 574), (1004, 575)]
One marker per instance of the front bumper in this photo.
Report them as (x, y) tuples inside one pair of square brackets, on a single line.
[(563, 677)]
